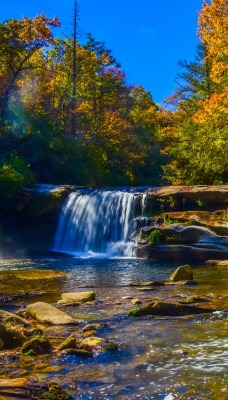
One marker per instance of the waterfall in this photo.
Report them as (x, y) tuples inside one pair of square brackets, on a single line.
[(100, 222)]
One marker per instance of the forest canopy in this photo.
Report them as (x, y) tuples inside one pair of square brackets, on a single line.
[(69, 116)]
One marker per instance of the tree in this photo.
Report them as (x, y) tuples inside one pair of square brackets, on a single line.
[(213, 33), (20, 40)]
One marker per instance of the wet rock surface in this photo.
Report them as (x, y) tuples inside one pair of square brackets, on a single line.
[(182, 273), (47, 314), (167, 309)]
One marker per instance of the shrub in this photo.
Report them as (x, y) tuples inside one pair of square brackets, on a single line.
[(156, 237)]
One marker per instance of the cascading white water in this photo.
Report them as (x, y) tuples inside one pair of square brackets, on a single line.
[(97, 223)]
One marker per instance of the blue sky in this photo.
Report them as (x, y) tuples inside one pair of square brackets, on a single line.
[(148, 37)]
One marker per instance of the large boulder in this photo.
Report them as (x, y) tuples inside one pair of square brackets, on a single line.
[(217, 263), (216, 221), (193, 234), (47, 314), (183, 273), (182, 252), (167, 309), (81, 297)]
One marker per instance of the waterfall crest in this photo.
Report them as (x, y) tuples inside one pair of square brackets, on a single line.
[(100, 222)]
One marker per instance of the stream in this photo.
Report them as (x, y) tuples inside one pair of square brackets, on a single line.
[(159, 358)]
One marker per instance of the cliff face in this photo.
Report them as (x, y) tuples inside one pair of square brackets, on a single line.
[(29, 229), (191, 222)]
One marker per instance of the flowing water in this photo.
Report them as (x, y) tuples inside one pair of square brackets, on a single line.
[(157, 358), (99, 223)]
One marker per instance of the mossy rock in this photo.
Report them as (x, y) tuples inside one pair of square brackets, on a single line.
[(12, 319), (36, 346), (167, 309), (156, 237), (183, 273), (55, 392), (12, 335), (69, 343), (194, 299)]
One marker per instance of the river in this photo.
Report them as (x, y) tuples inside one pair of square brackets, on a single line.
[(159, 358)]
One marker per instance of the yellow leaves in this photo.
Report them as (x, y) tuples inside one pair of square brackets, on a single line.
[(213, 32), (214, 108)]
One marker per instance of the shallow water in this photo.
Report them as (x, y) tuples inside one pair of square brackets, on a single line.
[(158, 357)]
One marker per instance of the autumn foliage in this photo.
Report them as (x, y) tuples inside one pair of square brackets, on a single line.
[(68, 114), (197, 138)]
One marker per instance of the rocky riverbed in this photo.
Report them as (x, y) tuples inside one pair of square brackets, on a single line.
[(93, 330)]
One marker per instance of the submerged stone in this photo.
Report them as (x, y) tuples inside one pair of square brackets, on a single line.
[(94, 342), (183, 273), (47, 314), (152, 283), (167, 309), (92, 332), (194, 299), (65, 303), (77, 352), (90, 327)]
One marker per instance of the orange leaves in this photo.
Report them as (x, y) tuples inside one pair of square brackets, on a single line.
[(213, 32), (214, 108)]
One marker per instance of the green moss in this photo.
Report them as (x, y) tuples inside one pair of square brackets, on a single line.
[(36, 346), (55, 392), (156, 237), (169, 221), (194, 299), (133, 312), (111, 346), (69, 343)]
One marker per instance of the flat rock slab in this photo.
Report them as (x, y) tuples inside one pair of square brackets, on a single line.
[(167, 309), (217, 263), (47, 314), (81, 297), (20, 388), (208, 194), (181, 253)]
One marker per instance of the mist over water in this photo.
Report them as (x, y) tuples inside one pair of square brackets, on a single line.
[(99, 223)]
